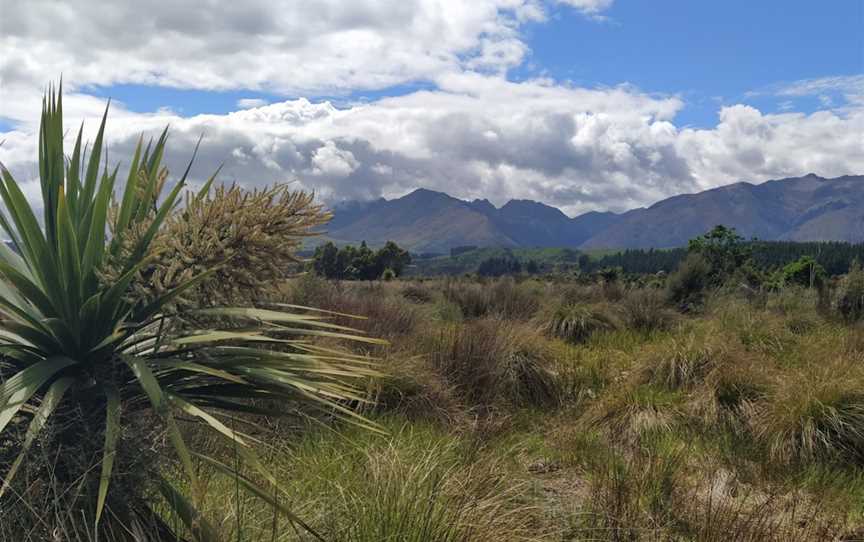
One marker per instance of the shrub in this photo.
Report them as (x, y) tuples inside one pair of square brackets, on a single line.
[(576, 323), (687, 285), (724, 251), (804, 271), (850, 302)]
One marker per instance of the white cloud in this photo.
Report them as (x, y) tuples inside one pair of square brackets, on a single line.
[(847, 84), (847, 89), (483, 136), (332, 161), (474, 134), (250, 103), (289, 46), (589, 6)]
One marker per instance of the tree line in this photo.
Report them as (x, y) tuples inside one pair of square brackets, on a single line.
[(360, 263), (835, 257)]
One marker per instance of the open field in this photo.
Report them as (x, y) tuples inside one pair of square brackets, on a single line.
[(536, 410)]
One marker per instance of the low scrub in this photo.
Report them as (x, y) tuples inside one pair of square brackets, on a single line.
[(502, 297), (687, 286), (850, 302)]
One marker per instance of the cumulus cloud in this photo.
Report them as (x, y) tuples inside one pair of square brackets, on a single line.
[(483, 136), (287, 46), (471, 133)]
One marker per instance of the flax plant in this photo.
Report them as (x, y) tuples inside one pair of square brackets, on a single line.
[(85, 359)]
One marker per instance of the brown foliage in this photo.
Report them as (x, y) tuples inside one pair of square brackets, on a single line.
[(249, 237)]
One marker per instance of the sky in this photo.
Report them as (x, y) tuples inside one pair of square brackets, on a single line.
[(581, 104)]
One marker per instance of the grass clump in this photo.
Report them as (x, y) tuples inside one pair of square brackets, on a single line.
[(412, 484), (645, 310), (682, 362), (634, 410), (814, 414), (417, 293), (492, 361), (576, 323)]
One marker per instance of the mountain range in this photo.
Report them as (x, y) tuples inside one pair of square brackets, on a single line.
[(809, 208)]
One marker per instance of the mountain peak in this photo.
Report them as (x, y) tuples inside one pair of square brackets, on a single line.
[(808, 208), (425, 193)]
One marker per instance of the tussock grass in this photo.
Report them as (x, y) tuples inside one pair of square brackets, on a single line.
[(409, 485), (576, 323), (413, 389), (634, 410), (682, 362), (646, 310), (814, 413), (494, 361)]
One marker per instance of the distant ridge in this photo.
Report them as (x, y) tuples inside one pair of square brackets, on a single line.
[(809, 208)]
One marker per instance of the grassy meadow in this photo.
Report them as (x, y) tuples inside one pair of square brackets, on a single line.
[(545, 410)]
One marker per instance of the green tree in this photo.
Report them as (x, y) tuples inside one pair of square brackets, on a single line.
[(325, 261), (804, 271), (359, 263), (723, 249), (390, 256)]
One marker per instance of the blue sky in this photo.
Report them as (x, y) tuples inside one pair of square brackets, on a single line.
[(709, 53), (582, 104)]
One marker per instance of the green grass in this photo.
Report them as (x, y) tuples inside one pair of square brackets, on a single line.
[(411, 484)]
